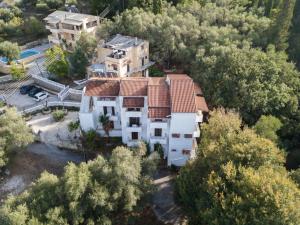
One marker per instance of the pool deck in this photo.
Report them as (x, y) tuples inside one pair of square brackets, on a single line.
[(4, 68)]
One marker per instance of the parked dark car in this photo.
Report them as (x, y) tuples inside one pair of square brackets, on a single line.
[(26, 89), (34, 91)]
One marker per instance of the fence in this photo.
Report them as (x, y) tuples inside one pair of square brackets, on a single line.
[(41, 106)]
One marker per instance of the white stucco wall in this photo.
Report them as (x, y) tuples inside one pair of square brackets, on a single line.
[(181, 123)]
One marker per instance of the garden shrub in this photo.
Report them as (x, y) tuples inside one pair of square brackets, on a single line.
[(58, 115)]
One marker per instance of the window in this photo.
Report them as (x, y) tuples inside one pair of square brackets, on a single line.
[(73, 37), (128, 68), (59, 36), (186, 152), (174, 150), (134, 121), (175, 135), (105, 110), (188, 136), (142, 47), (91, 104), (133, 109), (143, 61), (113, 111), (158, 120), (115, 67), (134, 135), (157, 132)]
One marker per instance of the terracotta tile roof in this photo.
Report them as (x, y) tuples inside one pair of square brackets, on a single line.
[(133, 87), (99, 87), (201, 104), (178, 77), (156, 80), (158, 96), (159, 112), (129, 102), (182, 96)]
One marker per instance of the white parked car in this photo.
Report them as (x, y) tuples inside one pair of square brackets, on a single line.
[(40, 96)]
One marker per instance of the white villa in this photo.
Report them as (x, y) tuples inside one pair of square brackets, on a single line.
[(121, 56), (165, 110)]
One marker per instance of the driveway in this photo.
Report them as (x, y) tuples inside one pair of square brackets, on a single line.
[(27, 166)]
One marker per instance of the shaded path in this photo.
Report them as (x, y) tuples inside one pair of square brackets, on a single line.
[(163, 199)]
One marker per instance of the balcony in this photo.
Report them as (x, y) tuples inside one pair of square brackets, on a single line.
[(197, 132), (113, 117), (53, 39), (158, 124), (133, 143), (199, 117), (158, 139), (133, 127), (106, 102), (133, 113)]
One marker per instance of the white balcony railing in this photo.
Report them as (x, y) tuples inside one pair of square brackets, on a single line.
[(158, 124), (133, 113), (158, 139), (134, 128)]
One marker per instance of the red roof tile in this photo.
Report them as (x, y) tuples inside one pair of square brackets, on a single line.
[(99, 87), (201, 104), (178, 77), (133, 87), (156, 80), (158, 112), (158, 96), (129, 102), (182, 96)]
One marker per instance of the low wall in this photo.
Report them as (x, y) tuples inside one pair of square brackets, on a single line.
[(75, 94), (57, 87), (5, 78), (4, 68), (48, 84), (41, 106)]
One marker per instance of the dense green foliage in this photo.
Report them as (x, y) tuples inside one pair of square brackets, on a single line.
[(88, 44), (9, 50), (58, 115), (14, 133), (238, 178), (14, 26), (17, 71), (267, 127), (78, 63), (99, 192), (56, 61)]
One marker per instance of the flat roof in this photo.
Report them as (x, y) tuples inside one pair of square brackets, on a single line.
[(122, 42), (69, 16)]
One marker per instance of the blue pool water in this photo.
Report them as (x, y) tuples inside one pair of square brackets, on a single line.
[(24, 54)]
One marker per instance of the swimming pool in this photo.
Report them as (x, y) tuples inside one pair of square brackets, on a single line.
[(24, 54)]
